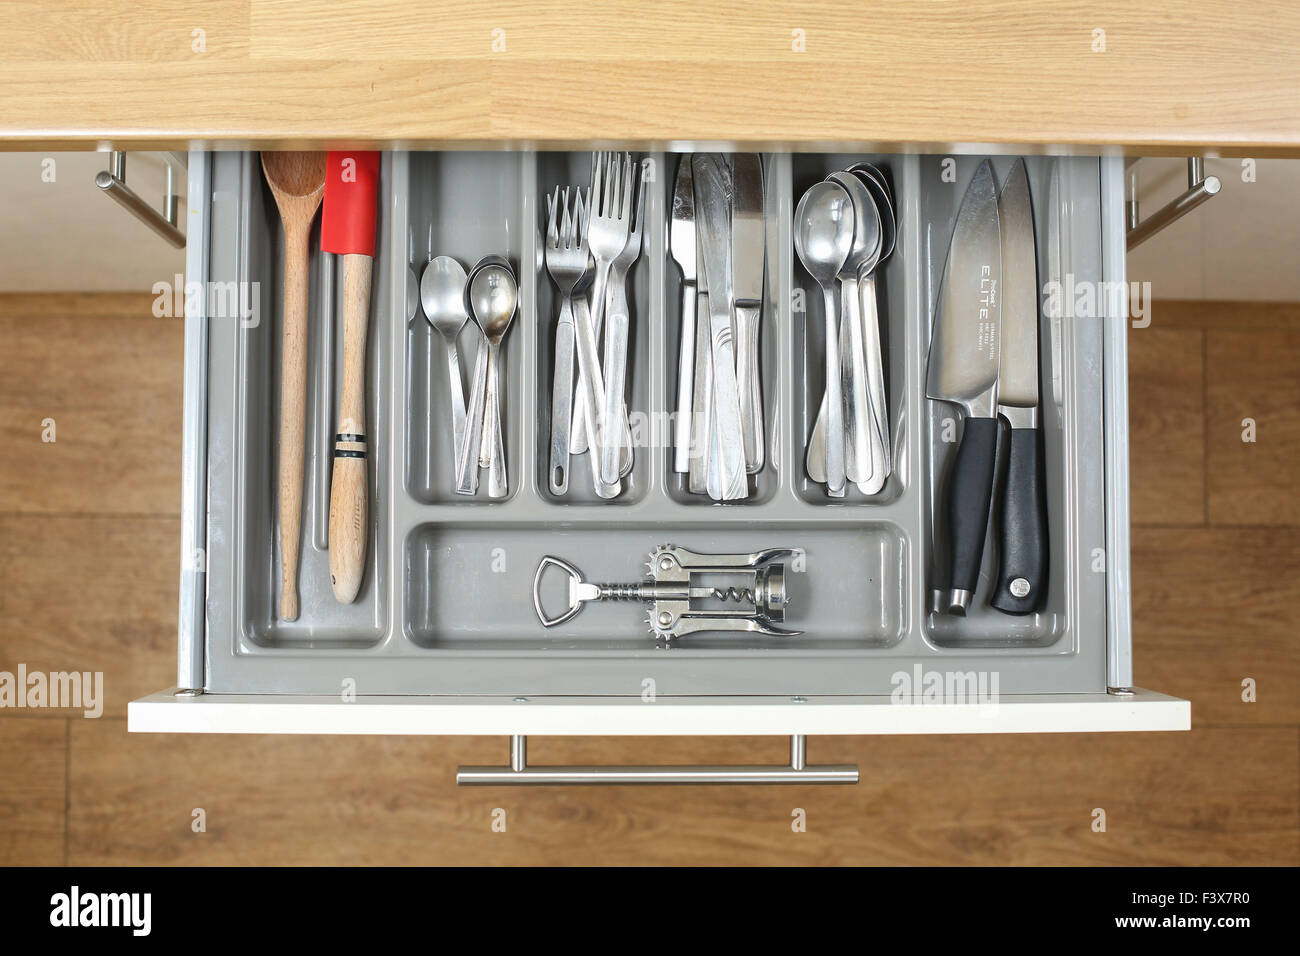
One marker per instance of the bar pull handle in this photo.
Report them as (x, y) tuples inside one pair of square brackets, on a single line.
[(520, 774), (166, 223), (1200, 187)]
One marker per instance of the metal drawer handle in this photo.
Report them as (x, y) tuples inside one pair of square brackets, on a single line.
[(1200, 187), (166, 223), (520, 774)]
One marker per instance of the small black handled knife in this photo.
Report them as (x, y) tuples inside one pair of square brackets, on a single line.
[(1022, 578)]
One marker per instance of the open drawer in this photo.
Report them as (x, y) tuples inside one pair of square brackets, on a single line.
[(443, 637)]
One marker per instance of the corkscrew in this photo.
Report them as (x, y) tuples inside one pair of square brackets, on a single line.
[(679, 601)]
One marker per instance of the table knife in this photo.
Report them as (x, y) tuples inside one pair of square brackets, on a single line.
[(681, 243), (748, 244), (701, 385), (713, 211), (963, 369), (1023, 512)]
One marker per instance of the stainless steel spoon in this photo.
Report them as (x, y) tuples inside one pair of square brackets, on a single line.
[(823, 239), (879, 189), (875, 182), (861, 453), (493, 297), (442, 292), (870, 171)]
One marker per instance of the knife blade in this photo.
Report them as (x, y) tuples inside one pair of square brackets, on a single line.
[(713, 209), (681, 243), (1054, 255), (748, 242), (963, 369), (1022, 577)]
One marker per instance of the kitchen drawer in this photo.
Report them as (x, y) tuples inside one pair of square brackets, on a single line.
[(443, 636)]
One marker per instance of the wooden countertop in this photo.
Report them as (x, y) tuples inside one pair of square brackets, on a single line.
[(769, 73)]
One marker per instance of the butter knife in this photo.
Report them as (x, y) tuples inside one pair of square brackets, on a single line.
[(713, 208), (748, 244)]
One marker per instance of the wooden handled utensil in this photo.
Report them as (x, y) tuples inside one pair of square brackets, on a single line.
[(297, 181), (348, 231)]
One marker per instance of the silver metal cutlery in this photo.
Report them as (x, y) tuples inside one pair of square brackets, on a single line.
[(615, 451), (593, 246), (492, 297), (854, 208), (566, 262), (823, 238), (725, 475), (748, 242), (718, 237), (681, 245), (442, 292), (701, 417)]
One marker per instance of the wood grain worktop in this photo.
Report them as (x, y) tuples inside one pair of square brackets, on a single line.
[(1158, 76)]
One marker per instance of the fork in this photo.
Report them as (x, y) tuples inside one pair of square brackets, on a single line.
[(578, 429), (566, 262), (616, 326), (591, 385), (607, 229), (578, 432)]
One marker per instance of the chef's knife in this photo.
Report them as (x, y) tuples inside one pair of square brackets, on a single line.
[(1023, 574), (963, 369), (748, 243), (713, 217)]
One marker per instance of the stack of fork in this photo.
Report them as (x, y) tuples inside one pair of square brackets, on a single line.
[(593, 236)]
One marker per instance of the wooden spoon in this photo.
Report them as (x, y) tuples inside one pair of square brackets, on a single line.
[(297, 181)]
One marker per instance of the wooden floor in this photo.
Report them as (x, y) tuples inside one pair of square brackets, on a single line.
[(89, 539)]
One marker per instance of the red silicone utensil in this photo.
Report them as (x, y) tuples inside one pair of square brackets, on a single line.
[(348, 231)]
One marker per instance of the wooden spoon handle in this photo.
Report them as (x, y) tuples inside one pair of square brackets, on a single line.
[(349, 498), (293, 403)]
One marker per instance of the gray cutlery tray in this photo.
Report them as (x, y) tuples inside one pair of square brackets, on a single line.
[(445, 607)]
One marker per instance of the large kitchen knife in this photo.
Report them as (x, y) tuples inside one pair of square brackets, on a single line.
[(713, 219), (963, 369), (1023, 575)]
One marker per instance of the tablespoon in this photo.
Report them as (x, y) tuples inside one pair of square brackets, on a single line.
[(442, 292), (872, 171), (493, 296), (871, 324), (823, 239), (861, 453), (875, 181), (491, 443)]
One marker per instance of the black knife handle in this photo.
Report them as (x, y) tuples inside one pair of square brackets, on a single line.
[(970, 493), (1022, 579)]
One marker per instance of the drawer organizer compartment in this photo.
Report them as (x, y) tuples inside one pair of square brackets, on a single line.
[(446, 604)]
